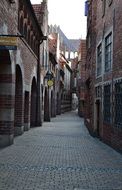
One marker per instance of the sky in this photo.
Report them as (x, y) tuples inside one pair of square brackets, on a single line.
[(69, 15)]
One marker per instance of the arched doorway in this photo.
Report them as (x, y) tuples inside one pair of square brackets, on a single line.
[(33, 103), (6, 99), (26, 111), (53, 104), (46, 105), (18, 112)]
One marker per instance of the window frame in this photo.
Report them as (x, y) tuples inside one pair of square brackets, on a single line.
[(97, 60), (107, 113), (118, 105), (108, 59)]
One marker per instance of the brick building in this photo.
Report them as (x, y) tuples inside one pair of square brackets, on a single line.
[(104, 71), (81, 74), (41, 12), (20, 98), (54, 90), (59, 47)]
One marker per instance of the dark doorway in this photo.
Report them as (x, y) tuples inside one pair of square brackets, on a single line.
[(18, 114), (98, 117), (7, 84), (46, 105), (33, 103), (26, 111)]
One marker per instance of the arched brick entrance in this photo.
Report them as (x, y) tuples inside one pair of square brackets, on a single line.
[(18, 113), (53, 109), (33, 103), (26, 111), (6, 99), (46, 105), (52, 104)]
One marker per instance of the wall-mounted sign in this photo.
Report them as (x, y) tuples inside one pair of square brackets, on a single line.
[(9, 43), (50, 83)]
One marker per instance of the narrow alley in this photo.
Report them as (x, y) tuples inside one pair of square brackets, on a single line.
[(60, 155)]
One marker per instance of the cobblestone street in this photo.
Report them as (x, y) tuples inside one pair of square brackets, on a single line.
[(60, 155)]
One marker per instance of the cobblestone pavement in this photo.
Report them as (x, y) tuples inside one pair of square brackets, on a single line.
[(61, 155)]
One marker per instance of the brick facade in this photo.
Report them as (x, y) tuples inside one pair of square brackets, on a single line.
[(18, 71), (104, 71), (81, 77)]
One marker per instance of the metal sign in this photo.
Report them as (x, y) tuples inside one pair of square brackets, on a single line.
[(50, 83), (9, 43)]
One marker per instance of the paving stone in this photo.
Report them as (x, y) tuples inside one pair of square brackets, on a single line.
[(60, 155)]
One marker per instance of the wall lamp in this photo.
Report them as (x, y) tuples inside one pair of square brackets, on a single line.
[(49, 79)]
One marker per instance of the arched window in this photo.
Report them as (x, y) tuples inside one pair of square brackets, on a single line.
[(21, 25), (20, 5), (34, 41), (25, 31), (28, 38), (31, 41)]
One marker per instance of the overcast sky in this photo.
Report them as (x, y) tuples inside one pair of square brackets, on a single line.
[(69, 15)]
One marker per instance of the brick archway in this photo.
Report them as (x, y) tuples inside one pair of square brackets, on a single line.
[(53, 105), (46, 105), (33, 103), (26, 111), (6, 99), (18, 113)]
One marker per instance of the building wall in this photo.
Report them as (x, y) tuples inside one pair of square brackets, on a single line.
[(18, 75), (81, 77), (7, 75), (90, 65), (105, 22)]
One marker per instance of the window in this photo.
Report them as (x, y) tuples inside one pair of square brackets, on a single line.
[(76, 54), (21, 25), (103, 7), (28, 36), (20, 5), (71, 55), (25, 31), (107, 103), (108, 52), (99, 60), (31, 41), (98, 90), (118, 105), (67, 54)]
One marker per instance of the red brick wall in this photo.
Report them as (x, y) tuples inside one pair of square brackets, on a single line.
[(27, 61), (98, 27)]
